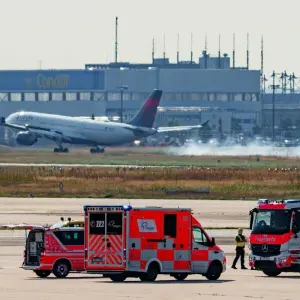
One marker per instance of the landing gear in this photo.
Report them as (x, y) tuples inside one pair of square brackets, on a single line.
[(97, 150), (61, 150)]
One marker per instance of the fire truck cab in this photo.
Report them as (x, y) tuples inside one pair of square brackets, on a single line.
[(122, 242), (54, 250), (275, 236)]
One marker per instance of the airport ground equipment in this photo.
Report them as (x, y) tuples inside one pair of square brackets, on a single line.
[(57, 249), (275, 236), (142, 242)]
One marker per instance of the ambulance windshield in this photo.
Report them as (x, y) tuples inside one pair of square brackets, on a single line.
[(272, 222)]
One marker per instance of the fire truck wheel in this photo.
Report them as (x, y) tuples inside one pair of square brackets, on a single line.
[(214, 271), (61, 268), (180, 276), (151, 274), (118, 277), (42, 274), (272, 273)]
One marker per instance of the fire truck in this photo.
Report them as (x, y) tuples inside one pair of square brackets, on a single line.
[(275, 238), (57, 249), (123, 242)]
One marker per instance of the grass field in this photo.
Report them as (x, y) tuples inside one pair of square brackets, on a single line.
[(160, 183), (141, 157)]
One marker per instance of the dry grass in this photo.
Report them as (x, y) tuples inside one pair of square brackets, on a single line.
[(224, 183), (138, 156)]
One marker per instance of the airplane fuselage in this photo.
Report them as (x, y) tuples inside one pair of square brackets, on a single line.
[(80, 131), (29, 127)]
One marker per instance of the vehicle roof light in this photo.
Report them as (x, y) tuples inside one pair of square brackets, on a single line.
[(272, 201), (292, 201), (127, 207)]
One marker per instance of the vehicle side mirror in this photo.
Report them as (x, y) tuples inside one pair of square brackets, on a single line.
[(294, 229), (213, 242), (251, 221)]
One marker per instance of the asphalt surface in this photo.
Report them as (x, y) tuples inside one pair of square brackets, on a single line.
[(16, 283)]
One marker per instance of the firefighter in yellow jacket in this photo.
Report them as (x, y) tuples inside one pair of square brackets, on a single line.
[(240, 241)]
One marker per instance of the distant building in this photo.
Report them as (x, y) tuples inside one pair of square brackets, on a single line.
[(232, 93)]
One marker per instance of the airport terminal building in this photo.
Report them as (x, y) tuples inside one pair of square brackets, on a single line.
[(192, 92)]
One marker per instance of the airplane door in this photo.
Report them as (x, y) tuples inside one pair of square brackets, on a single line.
[(199, 251)]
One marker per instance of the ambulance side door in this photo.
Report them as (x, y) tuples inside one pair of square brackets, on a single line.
[(200, 244), (294, 242)]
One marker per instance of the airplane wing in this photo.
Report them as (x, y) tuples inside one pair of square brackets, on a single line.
[(180, 128), (39, 132)]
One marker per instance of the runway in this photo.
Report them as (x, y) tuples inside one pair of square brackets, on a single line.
[(211, 213), (16, 283), (82, 165)]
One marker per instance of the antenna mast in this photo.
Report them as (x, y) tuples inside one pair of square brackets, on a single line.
[(219, 51), (177, 48), (247, 50), (116, 42), (164, 54), (153, 50), (205, 52), (233, 52), (191, 48), (262, 77)]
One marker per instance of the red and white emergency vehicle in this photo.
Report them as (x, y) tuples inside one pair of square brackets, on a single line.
[(122, 242), (58, 249), (275, 237)]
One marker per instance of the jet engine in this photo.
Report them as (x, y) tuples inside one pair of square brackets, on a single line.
[(26, 139)]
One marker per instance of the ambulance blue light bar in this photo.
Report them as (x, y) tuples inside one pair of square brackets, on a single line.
[(269, 201), (107, 208), (127, 207), (290, 201)]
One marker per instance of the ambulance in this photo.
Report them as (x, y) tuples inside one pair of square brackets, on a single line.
[(123, 242), (57, 249), (275, 236)]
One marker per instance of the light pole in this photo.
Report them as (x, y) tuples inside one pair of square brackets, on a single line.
[(274, 86), (273, 107), (122, 88)]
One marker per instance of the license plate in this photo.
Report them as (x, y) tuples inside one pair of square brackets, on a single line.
[(267, 258)]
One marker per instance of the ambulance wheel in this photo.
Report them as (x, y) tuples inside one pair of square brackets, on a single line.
[(151, 274), (42, 274), (61, 268), (214, 271), (272, 273), (118, 277), (180, 276)]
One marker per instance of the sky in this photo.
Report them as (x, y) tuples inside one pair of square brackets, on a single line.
[(69, 33)]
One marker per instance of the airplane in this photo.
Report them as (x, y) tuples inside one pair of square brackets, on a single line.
[(32, 126)]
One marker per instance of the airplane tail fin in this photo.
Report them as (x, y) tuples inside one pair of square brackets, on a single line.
[(146, 115)]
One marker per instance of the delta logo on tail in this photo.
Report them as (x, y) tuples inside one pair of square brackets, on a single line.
[(146, 115)]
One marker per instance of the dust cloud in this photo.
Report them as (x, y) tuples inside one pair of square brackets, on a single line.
[(253, 148)]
